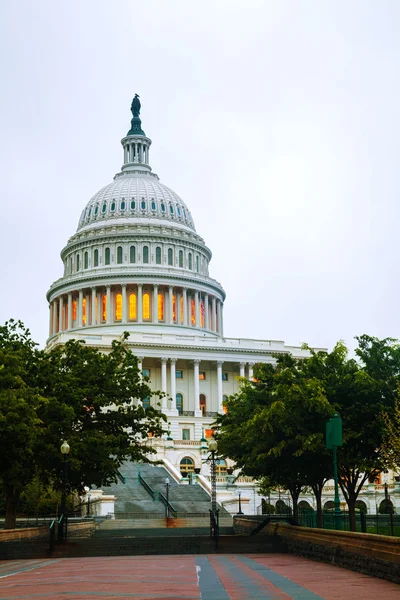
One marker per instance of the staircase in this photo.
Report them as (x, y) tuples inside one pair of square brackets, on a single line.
[(133, 499)]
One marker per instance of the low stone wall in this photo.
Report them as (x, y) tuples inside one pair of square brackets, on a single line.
[(376, 555), (80, 531), (246, 525), (28, 533)]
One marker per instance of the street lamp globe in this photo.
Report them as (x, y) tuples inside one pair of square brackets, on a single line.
[(212, 444), (65, 448)]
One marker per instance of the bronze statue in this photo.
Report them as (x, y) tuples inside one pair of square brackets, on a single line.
[(135, 106)]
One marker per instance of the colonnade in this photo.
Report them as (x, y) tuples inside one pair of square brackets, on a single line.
[(245, 369), (136, 303)]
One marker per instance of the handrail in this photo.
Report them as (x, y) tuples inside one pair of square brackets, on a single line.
[(168, 505), (147, 487)]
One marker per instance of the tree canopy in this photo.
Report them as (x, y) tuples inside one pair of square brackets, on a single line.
[(92, 399)]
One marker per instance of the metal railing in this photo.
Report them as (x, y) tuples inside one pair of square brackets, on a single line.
[(170, 511), (380, 524), (147, 487), (52, 532)]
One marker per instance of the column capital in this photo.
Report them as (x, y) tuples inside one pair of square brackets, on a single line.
[(242, 364), (251, 364), (164, 360), (140, 358), (140, 285), (220, 363), (108, 286), (123, 286), (196, 361), (173, 361)]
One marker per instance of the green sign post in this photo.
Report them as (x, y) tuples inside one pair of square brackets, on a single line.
[(333, 441)]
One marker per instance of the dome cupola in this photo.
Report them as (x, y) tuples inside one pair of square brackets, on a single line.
[(136, 260)]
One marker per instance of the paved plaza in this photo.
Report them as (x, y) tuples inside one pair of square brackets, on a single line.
[(200, 577)]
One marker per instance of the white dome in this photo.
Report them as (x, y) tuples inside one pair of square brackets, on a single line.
[(134, 195)]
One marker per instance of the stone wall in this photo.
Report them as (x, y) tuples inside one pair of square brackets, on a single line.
[(376, 555)]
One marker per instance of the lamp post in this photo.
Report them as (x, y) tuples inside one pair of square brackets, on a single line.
[(388, 507), (167, 497), (214, 512), (62, 526), (333, 441), (240, 512)]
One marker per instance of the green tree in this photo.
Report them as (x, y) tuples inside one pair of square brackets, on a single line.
[(274, 428), (20, 402), (77, 393)]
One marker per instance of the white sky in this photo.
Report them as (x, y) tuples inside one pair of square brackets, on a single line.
[(276, 121)]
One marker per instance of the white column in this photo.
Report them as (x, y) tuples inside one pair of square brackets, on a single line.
[(173, 383), (251, 365), (124, 304), (60, 314), (221, 313), (87, 309), (242, 367), (197, 308), (80, 298), (155, 304), (69, 324), (170, 311), (140, 363), (139, 303), (219, 317), (164, 381), (206, 315), (219, 385), (196, 364), (214, 314), (94, 306), (108, 315), (54, 303), (50, 319), (184, 294)]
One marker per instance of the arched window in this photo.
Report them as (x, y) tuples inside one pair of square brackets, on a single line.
[(118, 307), (181, 309), (197, 264), (132, 254), (107, 256), (190, 262), (160, 301), (119, 255), (96, 258), (145, 254), (86, 260), (193, 311), (132, 307), (170, 257), (78, 262), (202, 314), (104, 308), (158, 255), (187, 465), (174, 309), (179, 403), (83, 311), (180, 259), (74, 310), (221, 468), (146, 306), (203, 404)]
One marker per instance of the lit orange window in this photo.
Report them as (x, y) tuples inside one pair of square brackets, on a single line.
[(74, 310), (96, 303), (203, 404), (160, 307), (181, 309), (174, 308), (104, 308), (132, 306), (118, 307), (84, 311), (146, 306), (201, 314), (193, 311)]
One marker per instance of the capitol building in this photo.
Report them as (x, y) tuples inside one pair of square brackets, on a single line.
[(137, 264)]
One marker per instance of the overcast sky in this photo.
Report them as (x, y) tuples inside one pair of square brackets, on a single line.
[(276, 121)]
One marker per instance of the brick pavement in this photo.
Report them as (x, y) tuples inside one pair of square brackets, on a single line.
[(200, 577)]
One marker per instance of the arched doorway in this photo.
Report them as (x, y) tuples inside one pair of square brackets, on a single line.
[(304, 505), (330, 505), (386, 507), (361, 506)]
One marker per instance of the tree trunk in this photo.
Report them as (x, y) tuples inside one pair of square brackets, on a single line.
[(295, 499), (12, 499), (351, 503), (318, 499)]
